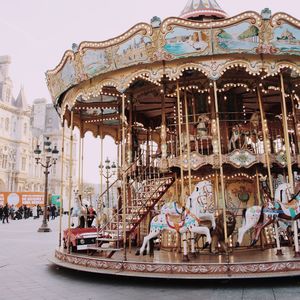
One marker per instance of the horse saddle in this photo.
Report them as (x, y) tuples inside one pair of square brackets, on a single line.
[(174, 221), (291, 209)]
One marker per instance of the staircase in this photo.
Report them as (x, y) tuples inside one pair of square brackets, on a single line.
[(142, 194)]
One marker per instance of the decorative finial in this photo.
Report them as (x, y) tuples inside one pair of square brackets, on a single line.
[(155, 22), (75, 47), (266, 14)]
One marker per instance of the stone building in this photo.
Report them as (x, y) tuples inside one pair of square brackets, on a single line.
[(22, 127)]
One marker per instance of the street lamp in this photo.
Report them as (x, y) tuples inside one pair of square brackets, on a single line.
[(110, 171), (50, 160)]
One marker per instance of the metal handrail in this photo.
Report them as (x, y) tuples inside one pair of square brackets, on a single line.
[(132, 164)]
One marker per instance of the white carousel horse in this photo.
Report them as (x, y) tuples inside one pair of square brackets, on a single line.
[(190, 220), (185, 139), (259, 217), (247, 130), (79, 211), (173, 208), (235, 134)]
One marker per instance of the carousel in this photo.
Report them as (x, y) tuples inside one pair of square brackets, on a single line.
[(205, 113)]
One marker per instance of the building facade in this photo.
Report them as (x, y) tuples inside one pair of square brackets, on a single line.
[(22, 127)]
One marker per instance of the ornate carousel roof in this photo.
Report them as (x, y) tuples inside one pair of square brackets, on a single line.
[(237, 52), (197, 9)]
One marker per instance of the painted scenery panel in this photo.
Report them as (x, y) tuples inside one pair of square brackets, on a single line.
[(95, 62), (181, 42), (287, 39), (68, 74), (243, 37), (133, 51)]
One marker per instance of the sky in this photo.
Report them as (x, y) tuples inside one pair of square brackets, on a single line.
[(36, 33)]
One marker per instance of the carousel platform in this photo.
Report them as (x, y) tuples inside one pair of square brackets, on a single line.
[(242, 263)]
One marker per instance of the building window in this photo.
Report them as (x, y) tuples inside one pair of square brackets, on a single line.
[(7, 96), (25, 129), (4, 161), (7, 124), (23, 163)]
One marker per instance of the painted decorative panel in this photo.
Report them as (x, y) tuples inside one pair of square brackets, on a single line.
[(286, 38), (95, 61), (181, 41), (133, 51), (177, 38), (243, 37), (68, 74)]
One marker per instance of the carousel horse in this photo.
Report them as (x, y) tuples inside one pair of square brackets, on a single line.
[(185, 139), (79, 211), (235, 135), (202, 126), (189, 220), (258, 217), (247, 130), (174, 208)]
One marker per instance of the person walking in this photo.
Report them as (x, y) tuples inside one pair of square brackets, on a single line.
[(1, 212), (12, 212), (53, 210), (5, 213)]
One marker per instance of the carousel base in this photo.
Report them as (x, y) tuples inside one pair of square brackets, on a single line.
[(244, 263)]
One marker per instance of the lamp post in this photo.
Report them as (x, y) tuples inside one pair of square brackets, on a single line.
[(110, 170), (49, 161)]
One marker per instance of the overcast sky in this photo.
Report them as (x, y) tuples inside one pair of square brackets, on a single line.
[(36, 33)]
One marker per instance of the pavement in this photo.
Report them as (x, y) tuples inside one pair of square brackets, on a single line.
[(26, 273)]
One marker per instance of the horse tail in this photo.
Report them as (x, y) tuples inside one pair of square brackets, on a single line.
[(151, 247), (244, 216), (244, 213), (261, 217)]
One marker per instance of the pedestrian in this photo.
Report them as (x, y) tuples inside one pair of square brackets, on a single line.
[(5, 213), (35, 212), (39, 211), (25, 212), (12, 212), (1, 212), (53, 211)]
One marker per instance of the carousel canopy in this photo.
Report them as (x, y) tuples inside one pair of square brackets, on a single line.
[(199, 9), (145, 64)]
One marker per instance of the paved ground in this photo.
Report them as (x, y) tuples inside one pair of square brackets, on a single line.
[(25, 273)]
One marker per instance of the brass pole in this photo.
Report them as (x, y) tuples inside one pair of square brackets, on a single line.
[(61, 181), (262, 116), (188, 141), (217, 190), (180, 146), (82, 165), (79, 165), (124, 177), (286, 135), (101, 177), (70, 180), (220, 160), (258, 188)]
